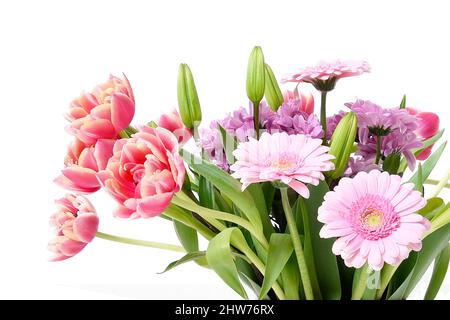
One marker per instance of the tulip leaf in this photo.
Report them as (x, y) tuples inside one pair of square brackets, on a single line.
[(260, 202), (291, 279), (280, 250), (432, 246), (324, 260), (439, 271), (428, 166), (205, 193), (191, 256), (227, 185), (432, 207), (229, 144), (221, 260), (187, 236)]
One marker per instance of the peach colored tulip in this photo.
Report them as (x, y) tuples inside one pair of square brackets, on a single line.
[(172, 122), (306, 100), (144, 173), (102, 113), (76, 224), (428, 126), (82, 164)]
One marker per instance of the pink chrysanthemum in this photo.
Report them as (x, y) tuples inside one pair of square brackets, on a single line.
[(374, 218), (291, 159), (325, 74)]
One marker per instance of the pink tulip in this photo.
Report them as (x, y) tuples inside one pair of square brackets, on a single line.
[(428, 126), (82, 164), (102, 113), (76, 224), (144, 173), (306, 100), (172, 122)]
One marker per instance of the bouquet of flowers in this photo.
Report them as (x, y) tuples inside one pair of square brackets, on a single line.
[(293, 206)]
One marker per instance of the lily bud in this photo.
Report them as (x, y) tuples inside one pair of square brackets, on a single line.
[(255, 75), (272, 92), (188, 103), (341, 144)]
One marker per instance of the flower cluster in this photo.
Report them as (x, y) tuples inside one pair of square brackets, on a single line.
[(270, 181)]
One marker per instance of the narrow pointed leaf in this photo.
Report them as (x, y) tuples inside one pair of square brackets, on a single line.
[(439, 272), (429, 165), (280, 250), (191, 256), (187, 236)]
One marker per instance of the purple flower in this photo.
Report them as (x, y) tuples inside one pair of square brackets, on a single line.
[(358, 163), (290, 119), (211, 143)]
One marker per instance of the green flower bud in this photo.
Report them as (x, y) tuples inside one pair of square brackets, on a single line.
[(341, 144), (255, 75), (188, 103), (272, 92)]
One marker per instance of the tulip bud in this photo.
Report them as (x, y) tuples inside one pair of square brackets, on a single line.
[(341, 144), (256, 75), (272, 92), (188, 103)]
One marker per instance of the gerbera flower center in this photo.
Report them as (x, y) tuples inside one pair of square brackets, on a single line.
[(373, 217), (286, 162)]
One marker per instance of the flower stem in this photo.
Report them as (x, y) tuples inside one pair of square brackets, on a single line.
[(323, 115), (441, 184), (151, 244), (386, 276), (378, 157), (256, 118), (360, 287), (297, 245)]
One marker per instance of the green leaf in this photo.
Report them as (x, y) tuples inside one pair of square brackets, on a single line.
[(431, 247), (272, 90), (227, 185), (220, 259), (280, 250), (324, 259), (187, 235), (269, 193), (428, 165), (302, 221), (418, 185), (425, 145), (439, 272), (403, 103), (191, 256), (432, 207), (259, 197), (229, 144), (291, 279), (205, 193), (256, 75)]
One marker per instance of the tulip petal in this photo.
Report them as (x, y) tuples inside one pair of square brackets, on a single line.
[(122, 111)]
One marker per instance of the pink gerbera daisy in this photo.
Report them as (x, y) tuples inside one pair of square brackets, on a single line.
[(374, 218), (325, 74), (292, 159)]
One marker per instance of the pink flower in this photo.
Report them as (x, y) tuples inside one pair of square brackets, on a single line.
[(373, 216), (172, 122), (306, 100), (82, 164), (76, 224), (325, 74), (102, 113), (144, 173), (428, 126), (291, 159)]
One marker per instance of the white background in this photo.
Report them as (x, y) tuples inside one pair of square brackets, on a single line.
[(51, 50)]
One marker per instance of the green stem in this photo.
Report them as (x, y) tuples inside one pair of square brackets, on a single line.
[(386, 276), (297, 245), (441, 185), (358, 291), (323, 115), (256, 118), (151, 244), (378, 157)]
